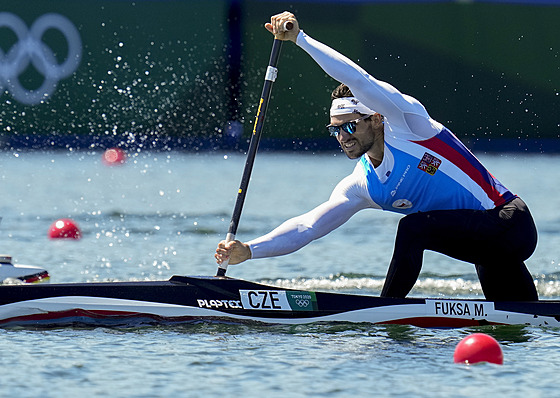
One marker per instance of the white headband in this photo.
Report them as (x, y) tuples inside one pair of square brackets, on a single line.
[(346, 105)]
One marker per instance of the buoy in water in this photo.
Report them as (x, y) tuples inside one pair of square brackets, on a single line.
[(64, 228), (478, 347), (114, 157)]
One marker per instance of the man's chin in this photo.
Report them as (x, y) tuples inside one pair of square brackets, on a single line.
[(352, 154)]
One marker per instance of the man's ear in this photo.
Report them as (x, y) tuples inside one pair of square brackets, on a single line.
[(377, 118)]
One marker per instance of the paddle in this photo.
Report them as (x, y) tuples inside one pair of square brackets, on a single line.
[(270, 77)]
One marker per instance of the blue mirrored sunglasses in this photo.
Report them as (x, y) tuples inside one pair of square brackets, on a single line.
[(349, 127)]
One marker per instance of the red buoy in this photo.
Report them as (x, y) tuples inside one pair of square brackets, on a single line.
[(64, 228), (478, 347), (114, 157)]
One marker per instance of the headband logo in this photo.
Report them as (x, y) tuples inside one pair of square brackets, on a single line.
[(30, 50), (347, 105)]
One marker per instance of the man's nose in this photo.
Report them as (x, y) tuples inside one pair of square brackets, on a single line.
[(343, 135)]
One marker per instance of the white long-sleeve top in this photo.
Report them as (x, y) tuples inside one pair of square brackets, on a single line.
[(425, 167)]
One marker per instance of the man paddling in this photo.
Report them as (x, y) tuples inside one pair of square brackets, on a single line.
[(410, 164)]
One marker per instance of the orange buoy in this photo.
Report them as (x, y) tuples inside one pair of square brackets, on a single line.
[(114, 157)]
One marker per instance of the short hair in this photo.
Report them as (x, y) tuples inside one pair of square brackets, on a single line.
[(341, 91)]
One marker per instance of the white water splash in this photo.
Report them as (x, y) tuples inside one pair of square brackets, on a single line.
[(441, 287)]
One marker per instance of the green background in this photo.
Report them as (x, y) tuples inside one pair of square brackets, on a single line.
[(156, 73)]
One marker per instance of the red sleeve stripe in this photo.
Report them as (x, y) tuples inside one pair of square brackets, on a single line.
[(449, 147)]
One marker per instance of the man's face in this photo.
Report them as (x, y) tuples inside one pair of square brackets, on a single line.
[(356, 144)]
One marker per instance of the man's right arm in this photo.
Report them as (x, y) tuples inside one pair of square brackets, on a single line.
[(349, 197)]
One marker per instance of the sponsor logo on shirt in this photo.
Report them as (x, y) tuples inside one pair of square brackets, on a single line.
[(394, 191), (402, 204), (429, 164)]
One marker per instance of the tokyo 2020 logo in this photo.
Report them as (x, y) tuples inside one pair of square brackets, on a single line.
[(31, 50)]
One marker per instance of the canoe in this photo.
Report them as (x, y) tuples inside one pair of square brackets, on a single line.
[(197, 299)]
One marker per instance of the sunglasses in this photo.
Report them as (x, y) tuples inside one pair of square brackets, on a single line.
[(349, 127)]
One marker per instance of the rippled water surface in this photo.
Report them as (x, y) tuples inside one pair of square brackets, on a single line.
[(162, 213)]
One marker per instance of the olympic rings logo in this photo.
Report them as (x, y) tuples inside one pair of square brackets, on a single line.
[(302, 303), (30, 50)]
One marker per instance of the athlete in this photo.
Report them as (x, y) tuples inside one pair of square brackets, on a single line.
[(410, 164)]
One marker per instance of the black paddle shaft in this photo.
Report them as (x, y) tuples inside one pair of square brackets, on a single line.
[(270, 77)]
